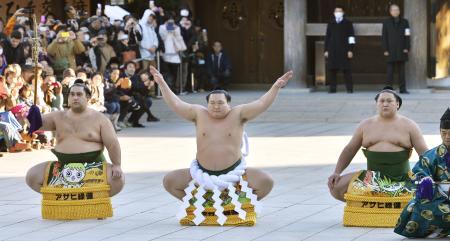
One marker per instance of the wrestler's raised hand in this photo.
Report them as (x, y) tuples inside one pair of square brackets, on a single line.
[(333, 180), (157, 76), (282, 81), (116, 171)]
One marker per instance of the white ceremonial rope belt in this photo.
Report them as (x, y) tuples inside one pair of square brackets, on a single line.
[(221, 182), (217, 184)]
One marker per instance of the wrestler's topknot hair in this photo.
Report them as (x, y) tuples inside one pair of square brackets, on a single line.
[(389, 89), (86, 89), (219, 91)]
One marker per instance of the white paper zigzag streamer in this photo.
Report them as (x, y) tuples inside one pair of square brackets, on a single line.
[(217, 185), (182, 213), (249, 194), (221, 218), (199, 218), (236, 203)]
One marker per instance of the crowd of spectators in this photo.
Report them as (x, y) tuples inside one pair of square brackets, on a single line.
[(111, 56)]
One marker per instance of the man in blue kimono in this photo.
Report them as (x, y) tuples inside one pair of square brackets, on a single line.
[(428, 214)]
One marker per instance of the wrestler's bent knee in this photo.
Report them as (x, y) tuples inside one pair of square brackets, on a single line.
[(168, 182), (35, 177), (116, 185), (30, 178), (337, 194)]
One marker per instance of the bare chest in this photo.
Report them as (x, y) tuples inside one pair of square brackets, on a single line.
[(79, 129), (222, 130), (395, 134)]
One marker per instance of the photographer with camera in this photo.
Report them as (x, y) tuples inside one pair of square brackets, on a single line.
[(141, 92), (127, 101), (101, 52), (63, 51), (95, 25), (173, 46), (73, 20), (71, 12), (134, 31), (12, 21)]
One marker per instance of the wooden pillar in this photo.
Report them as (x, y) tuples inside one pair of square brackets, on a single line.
[(416, 68), (295, 42)]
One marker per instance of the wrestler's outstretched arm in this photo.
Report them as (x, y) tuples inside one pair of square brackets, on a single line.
[(347, 155), (183, 109), (48, 121), (252, 110)]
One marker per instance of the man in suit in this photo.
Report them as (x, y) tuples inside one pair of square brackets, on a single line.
[(219, 67), (396, 44), (339, 44)]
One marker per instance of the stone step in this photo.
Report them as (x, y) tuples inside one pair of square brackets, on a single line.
[(293, 106)]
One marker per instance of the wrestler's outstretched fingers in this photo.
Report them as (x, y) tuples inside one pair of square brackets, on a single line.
[(259, 181), (116, 183), (157, 76), (283, 80)]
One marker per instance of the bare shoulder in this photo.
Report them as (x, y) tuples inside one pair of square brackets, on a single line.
[(407, 122), (236, 110), (97, 116), (199, 109), (367, 122), (55, 115)]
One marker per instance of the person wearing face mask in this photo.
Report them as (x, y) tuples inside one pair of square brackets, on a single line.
[(63, 50), (339, 44), (149, 43), (396, 44)]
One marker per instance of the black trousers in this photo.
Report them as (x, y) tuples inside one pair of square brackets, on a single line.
[(125, 108), (332, 79), (400, 67)]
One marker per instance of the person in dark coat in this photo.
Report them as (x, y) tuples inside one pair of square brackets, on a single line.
[(13, 49), (339, 44), (396, 44), (219, 67)]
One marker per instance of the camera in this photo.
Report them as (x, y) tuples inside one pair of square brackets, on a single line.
[(170, 26), (133, 104), (82, 13), (65, 34)]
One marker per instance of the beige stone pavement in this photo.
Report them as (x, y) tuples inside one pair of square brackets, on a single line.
[(297, 141)]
